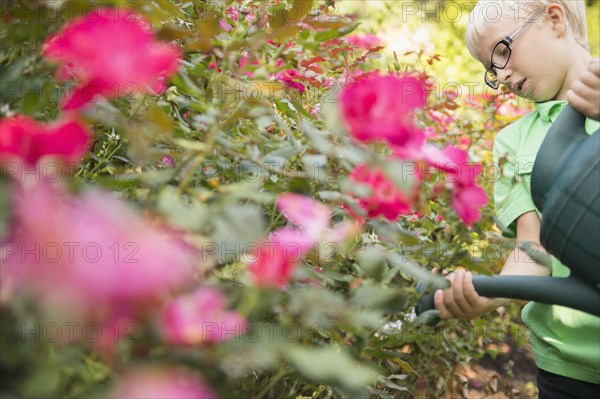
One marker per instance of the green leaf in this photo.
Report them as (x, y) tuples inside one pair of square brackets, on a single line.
[(157, 178), (301, 9), (300, 108), (319, 139), (390, 384), (285, 106), (192, 145), (305, 34), (333, 196), (414, 270), (325, 35), (372, 261), (315, 166), (189, 215), (238, 230), (44, 382), (299, 185), (119, 181), (251, 190), (171, 8), (352, 154), (387, 299), (326, 365), (279, 157)]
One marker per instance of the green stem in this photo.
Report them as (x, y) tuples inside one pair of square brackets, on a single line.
[(100, 163), (282, 373), (198, 158)]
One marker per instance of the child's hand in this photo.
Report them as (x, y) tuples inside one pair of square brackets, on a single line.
[(584, 95), (461, 301)]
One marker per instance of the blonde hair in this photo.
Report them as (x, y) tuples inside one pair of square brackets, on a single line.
[(498, 11)]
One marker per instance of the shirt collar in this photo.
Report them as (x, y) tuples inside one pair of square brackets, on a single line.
[(549, 110)]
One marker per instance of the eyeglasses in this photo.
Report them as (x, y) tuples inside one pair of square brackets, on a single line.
[(502, 51)]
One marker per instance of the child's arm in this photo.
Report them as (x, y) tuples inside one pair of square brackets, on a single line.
[(584, 95), (461, 301)]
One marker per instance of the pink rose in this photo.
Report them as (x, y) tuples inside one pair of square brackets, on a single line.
[(385, 199), (161, 382), (233, 13), (111, 53), (274, 261), (381, 108), (364, 41), (289, 78), (276, 258), (308, 214), (200, 317), (453, 161), (225, 25), (467, 202), (467, 196), (92, 256), (29, 140)]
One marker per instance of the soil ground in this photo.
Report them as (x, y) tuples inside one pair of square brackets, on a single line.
[(512, 374)]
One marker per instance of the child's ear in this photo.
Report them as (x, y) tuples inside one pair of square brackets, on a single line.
[(558, 19)]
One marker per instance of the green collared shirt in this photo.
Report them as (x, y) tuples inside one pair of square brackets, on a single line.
[(564, 341)]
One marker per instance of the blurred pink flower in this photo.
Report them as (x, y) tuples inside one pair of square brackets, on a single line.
[(111, 53), (442, 119), (467, 196), (288, 77), (430, 132), (244, 60), (316, 110), (385, 199), (161, 382), (200, 317), (159, 85), (225, 25), (465, 142), (30, 140), (275, 259), (233, 13), (467, 202), (308, 214), (455, 162), (313, 218), (166, 161), (93, 255), (381, 108), (366, 42), (251, 17)]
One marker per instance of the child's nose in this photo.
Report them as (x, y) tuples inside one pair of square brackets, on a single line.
[(504, 75)]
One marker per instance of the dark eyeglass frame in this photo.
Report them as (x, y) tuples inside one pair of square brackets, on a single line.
[(490, 77)]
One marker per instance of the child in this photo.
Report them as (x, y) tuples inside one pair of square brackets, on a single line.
[(540, 52)]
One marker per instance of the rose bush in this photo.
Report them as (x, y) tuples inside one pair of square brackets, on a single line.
[(261, 195)]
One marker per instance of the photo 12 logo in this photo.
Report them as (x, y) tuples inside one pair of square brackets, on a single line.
[(70, 252), (67, 332)]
